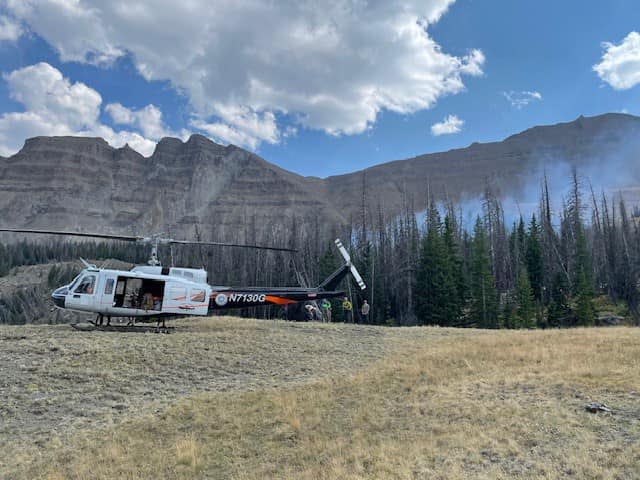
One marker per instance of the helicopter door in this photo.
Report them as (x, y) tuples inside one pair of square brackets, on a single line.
[(83, 296)]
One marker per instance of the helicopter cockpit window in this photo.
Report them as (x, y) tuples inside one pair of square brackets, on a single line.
[(108, 289), (74, 283), (86, 285)]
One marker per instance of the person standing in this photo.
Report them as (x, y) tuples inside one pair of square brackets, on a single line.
[(347, 310), (326, 310), (364, 311)]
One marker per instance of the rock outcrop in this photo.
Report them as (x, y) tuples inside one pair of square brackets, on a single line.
[(84, 184)]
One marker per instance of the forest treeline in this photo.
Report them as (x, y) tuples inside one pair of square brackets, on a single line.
[(549, 270), (552, 269)]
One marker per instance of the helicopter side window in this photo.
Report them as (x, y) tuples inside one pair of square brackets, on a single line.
[(197, 296), (108, 289), (86, 285)]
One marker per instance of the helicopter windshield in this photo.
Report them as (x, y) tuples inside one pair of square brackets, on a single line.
[(86, 285), (75, 282)]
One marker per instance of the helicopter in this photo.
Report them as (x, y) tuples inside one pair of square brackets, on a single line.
[(156, 292)]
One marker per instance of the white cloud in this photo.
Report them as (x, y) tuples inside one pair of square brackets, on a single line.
[(620, 64), (221, 132), (42, 89), (148, 119), (243, 127), (451, 124), (55, 106), (523, 98), (332, 66), (10, 30)]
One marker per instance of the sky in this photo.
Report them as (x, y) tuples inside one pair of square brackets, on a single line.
[(318, 88)]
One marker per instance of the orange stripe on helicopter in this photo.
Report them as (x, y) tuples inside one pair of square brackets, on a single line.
[(279, 300)]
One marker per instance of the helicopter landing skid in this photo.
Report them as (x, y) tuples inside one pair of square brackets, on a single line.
[(94, 327)]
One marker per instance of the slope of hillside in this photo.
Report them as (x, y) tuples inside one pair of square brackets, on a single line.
[(83, 183), (509, 165)]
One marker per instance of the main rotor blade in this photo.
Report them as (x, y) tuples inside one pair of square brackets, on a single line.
[(126, 238), (239, 245), (132, 238)]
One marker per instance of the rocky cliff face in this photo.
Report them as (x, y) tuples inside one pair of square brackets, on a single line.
[(84, 184), (605, 149)]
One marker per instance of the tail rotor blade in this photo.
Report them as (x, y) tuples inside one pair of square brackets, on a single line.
[(347, 259), (343, 251), (358, 278)]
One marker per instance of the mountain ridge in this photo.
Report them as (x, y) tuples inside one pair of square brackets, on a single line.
[(227, 192)]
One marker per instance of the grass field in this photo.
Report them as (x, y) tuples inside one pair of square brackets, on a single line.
[(231, 398)]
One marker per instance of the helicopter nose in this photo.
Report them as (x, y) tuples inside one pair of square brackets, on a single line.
[(59, 295)]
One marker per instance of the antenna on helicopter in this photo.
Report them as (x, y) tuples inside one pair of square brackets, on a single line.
[(86, 264)]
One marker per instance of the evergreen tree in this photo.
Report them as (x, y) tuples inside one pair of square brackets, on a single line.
[(526, 309), (559, 310), (585, 311), (429, 296), (583, 286), (509, 317), (453, 285), (484, 298)]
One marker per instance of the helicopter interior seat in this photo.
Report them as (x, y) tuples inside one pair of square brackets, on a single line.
[(139, 293)]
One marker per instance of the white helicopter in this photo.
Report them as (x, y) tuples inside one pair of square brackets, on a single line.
[(156, 292)]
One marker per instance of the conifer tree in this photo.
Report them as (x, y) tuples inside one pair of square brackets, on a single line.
[(484, 298), (526, 310), (430, 274), (533, 258), (583, 286), (559, 310), (453, 286), (585, 311), (509, 317)]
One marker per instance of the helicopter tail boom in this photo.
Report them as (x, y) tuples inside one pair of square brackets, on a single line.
[(225, 297)]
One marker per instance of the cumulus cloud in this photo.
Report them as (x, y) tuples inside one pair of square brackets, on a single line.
[(620, 64), (10, 30), (332, 66), (147, 119), (451, 124), (55, 106), (523, 98)]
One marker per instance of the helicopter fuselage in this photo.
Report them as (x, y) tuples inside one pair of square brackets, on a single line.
[(141, 292), (154, 291)]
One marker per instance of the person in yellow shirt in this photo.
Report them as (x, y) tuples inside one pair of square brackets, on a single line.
[(347, 310)]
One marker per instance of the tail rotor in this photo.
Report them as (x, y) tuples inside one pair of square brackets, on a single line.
[(347, 259)]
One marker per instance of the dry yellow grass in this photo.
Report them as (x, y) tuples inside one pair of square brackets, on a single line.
[(480, 405)]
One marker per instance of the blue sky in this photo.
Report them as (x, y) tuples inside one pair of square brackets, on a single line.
[(320, 90)]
